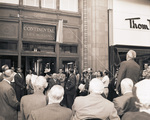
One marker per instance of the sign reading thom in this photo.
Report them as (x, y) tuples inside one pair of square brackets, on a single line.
[(133, 24), (38, 31)]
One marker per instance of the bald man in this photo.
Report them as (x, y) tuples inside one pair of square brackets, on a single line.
[(128, 69), (8, 100), (53, 111), (94, 105), (126, 90), (35, 100)]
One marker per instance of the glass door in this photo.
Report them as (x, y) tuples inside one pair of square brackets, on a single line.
[(38, 64)]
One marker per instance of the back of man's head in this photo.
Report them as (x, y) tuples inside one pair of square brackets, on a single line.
[(55, 94), (12, 68), (96, 86), (19, 69), (5, 67), (126, 85), (131, 54), (142, 93), (40, 83), (8, 74), (89, 70)]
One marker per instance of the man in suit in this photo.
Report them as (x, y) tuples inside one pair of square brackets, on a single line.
[(70, 89), (19, 84), (145, 71), (53, 81), (8, 100), (128, 69), (34, 101), (13, 81), (94, 105), (142, 96), (90, 74), (53, 111), (126, 90)]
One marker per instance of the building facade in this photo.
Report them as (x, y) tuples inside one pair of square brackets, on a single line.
[(36, 34), (95, 39), (30, 34), (129, 28), (31, 30)]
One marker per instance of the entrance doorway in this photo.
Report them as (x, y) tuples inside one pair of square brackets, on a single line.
[(11, 61), (118, 54), (38, 64)]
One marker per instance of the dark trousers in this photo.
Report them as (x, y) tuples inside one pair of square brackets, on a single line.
[(69, 99), (19, 93)]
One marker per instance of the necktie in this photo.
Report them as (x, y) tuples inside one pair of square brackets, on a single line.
[(20, 75)]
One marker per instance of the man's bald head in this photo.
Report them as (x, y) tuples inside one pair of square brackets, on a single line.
[(126, 85), (131, 54), (96, 86), (56, 94), (142, 93)]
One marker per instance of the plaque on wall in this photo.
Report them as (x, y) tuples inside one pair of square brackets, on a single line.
[(8, 30), (70, 35), (38, 31)]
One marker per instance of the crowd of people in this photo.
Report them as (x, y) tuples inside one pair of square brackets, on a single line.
[(74, 96)]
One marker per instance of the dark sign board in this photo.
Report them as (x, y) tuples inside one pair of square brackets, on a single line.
[(8, 30), (38, 31)]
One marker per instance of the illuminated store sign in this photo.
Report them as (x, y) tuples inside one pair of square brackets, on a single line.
[(133, 24)]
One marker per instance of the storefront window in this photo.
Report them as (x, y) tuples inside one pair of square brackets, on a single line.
[(38, 47), (68, 49), (10, 1), (8, 46), (69, 5), (31, 3), (48, 4)]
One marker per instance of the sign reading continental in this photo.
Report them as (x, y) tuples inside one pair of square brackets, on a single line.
[(37, 31)]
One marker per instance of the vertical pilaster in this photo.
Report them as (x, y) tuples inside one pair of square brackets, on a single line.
[(19, 40), (57, 57), (85, 35)]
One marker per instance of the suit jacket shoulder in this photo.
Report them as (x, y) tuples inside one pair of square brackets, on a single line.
[(122, 99), (93, 105), (31, 102), (120, 102), (51, 111), (136, 116), (8, 101)]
